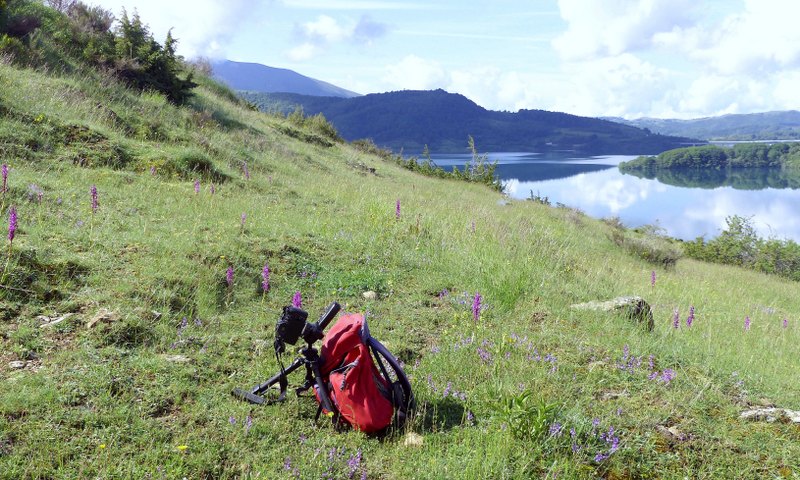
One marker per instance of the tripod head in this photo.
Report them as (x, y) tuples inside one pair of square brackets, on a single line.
[(293, 324)]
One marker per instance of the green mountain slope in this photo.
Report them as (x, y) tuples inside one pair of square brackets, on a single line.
[(410, 120), (122, 334)]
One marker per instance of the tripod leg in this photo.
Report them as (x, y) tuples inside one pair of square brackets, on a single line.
[(254, 395), (322, 388), (279, 377)]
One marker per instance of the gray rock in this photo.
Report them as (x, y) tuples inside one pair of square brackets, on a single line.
[(56, 321), (370, 295), (771, 414), (177, 358), (102, 316), (634, 308), (17, 364)]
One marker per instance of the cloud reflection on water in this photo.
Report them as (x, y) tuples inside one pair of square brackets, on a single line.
[(683, 212)]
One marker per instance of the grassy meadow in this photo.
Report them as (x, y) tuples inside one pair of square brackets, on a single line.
[(529, 389)]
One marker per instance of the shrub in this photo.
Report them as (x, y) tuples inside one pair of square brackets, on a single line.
[(651, 247), (739, 245)]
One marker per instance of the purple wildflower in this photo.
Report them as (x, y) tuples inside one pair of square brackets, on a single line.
[(232, 420), (353, 463), (229, 276), (265, 278), (248, 423), (246, 171), (690, 318), (5, 178), (197, 186), (600, 457), (397, 209), (153, 170), (470, 417), (473, 226), (244, 219), (676, 319), (213, 189), (94, 198), (12, 224), (746, 323), (287, 463), (555, 429), (785, 322), (297, 300), (476, 307), (653, 278), (667, 375), (447, 389), (485, 356)]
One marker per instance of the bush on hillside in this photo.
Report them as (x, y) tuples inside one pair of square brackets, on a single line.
[(74, 33), (740, 245)]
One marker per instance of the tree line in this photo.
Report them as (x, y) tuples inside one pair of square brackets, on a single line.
[(746, 155)]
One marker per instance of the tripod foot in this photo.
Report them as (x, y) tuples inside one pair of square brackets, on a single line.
[(248, 396)]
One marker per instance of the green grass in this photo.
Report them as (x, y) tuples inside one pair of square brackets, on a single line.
[(107, 402)]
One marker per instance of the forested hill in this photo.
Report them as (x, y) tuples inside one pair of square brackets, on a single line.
[(782, 125), (410, 120)]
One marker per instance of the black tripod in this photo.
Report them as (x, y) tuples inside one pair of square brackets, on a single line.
[(309, 357)]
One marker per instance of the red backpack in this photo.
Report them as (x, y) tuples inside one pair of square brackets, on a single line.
[(365, 397)]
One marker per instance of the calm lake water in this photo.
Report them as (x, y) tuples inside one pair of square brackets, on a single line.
[(685, 204)]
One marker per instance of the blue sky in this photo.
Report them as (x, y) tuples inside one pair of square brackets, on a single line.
[(660, 58)]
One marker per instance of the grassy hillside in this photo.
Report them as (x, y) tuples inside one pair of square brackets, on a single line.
[(530, 389)]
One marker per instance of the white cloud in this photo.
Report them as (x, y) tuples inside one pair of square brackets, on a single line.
[(415, 73), (202, 27), (323, 29), (303, 52), (682, 59), (318, 35), (612, 27)]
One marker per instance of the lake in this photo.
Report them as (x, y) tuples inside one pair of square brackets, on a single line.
[(685, 204)]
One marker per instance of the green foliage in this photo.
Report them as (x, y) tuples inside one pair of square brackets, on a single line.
[(739, 244), (526, 417)]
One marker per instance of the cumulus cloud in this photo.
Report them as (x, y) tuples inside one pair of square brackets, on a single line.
[(324, 31), (598, 28), (415, 73), (678, 58), (202, 27)]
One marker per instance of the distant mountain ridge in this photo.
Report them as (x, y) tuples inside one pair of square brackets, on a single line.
[(413, 119), (261, 78), (778, 125)]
